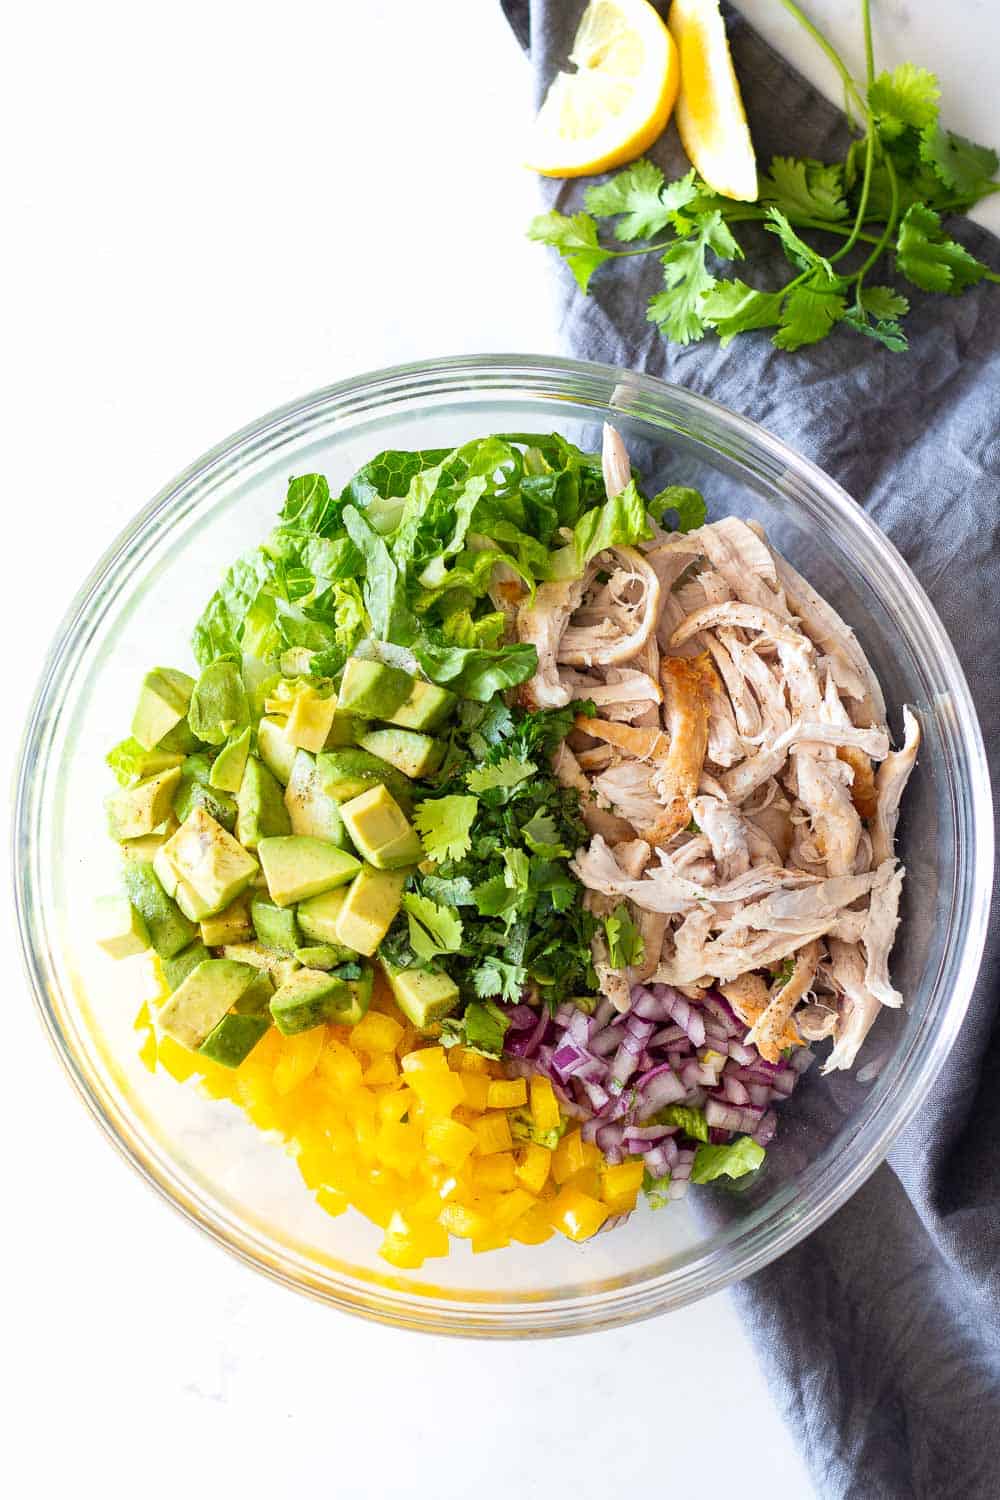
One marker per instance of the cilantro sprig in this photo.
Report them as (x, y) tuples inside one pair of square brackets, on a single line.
[(886, 199)]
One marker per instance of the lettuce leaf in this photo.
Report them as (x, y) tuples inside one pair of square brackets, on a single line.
[(733, 1160), (619, 522), (475, 672)]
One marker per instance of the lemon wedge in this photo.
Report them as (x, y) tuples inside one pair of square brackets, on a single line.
[(619, 99), (711, 120)]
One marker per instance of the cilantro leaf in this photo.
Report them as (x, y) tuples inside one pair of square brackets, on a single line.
[(455, 890), (576, 240), (481, 1028), (798, 252), (928, 258), (625, 943), (496, 977), (884, 330), (732, 307), (494, 897), (806, 188), (635, 194), (884, 302), (677, 310), (433, 929), (515, 869), (502, 776), (906, 96), (733, 1160), (542, 837), (808, 314), (444, 825), (960, 163)]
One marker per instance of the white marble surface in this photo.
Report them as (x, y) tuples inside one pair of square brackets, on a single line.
[(211, 209)]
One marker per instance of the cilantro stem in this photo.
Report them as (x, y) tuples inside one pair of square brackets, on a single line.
[(831, 51), (757, 216), (887, 232)]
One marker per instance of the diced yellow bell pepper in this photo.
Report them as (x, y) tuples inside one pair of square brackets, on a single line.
[(439, 1091), (425, 1059), (469, 1062), (398, 1147), (492, 1134), (587, 1180), (493, 1239), (466, 1223), (512, 1207), (544, 1104), (394, 1105), (572, 1154), (299, 1056), (495, 1173), (476, 1087), (332, 1202), (449, 1141), (577, 1215), (376, 1033), (507, 1093), (380, 1071), (534, 1227), (620, 1185), (533, 1166), (338, 1063)]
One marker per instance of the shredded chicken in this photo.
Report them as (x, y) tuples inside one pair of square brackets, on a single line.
[(741, 733)]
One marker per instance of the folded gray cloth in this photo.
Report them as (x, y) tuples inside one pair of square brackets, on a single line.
[(880, 1334)]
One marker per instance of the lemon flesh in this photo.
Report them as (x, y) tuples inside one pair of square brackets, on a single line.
[(619, 99), (711, 120)]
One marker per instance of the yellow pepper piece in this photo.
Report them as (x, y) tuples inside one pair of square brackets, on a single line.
[(451, 1142), (534, 1227), (332, 1202), (620, 1185), (493, 1239), (466, 1223), (533, 1166), (299, 1056), (476, 1088), (439, 1091), (425, 1059), (338, 1063), (544, 1104), (495, 1173), (376, 1033), (507, 1093), (512, 1207), (577, 1215), (468, 1062), (572, 1155), (380, 1071), (492, 1134)]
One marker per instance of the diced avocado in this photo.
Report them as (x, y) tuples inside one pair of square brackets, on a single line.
[(264, 959), (219, 707), (361, 994), (427, 707), (169, 929), (323, 956), (412, 753), (131, 763), (230, 926), (256, 999), (181, 740), (121, 929), (275, 926), (143, 851), (380, 831), (163, 702), (233, 1040), (196, 790), (318, 916), (370, 908), (345, 774), (276, 749), (227, 770), (137, 810), (177, 969), (308, 999), (372, 689), (298, 867), (310, 719), (312, 811), (344, 730), (262, 813), (164, 870), (423, 995), (198, 1004), (212, 868)]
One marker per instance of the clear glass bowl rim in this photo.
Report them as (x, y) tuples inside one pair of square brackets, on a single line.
[(601, 388)]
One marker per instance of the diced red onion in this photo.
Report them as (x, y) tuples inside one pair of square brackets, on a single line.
[(648, 1006), (764, 1133), (521, 1017), (603, 1043), (668, 1036), (604, 1014), (624, 1064), (760, 1094), (784, 1082), (656, 1090), (735, 1092), (745, 1056), (656, 1161), (723, 1116)]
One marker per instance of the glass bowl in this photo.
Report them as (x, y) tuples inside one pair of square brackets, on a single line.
[(136, 609)]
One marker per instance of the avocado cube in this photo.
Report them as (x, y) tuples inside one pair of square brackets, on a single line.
[(196, 790), (177, 968), (297, 867), (227, 770), (140, 809), (380, 831), (276, 966), (308, 999), (230, 926), (276, 749), (411, 753), (169, 929), (370, 907), (345, 774), (262, 813), (275, 926), (212, 868), (423, 995), (311, 810), (143, 851), (182, 740), (233, 1039), (121, 929), (318, 916), (361, 994), (371, 689), (131, 763), (344, 730), (198, 1004), (164, 870), (427, 707), (310, 719), (163, 703), (256, 998), (323, 956)]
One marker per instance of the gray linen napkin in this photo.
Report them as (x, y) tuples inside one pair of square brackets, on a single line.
[(880, 1335)]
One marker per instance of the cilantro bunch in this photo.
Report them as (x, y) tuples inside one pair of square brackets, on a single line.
[(836, 222), (500, 908)]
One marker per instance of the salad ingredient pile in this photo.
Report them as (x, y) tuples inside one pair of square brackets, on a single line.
[(508, 848)]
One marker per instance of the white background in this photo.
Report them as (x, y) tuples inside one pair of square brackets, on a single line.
[(209, 209)]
